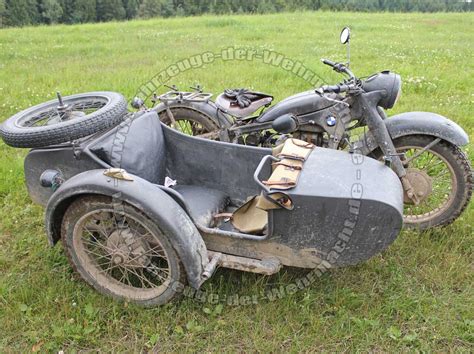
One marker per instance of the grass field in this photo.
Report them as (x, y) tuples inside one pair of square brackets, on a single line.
[(416, 295)]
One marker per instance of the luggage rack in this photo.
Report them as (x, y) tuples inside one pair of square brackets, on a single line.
[(181, 96)]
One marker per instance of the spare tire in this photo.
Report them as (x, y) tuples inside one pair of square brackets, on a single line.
[(64, 119)]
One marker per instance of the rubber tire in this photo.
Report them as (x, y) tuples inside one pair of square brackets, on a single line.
[(183, 113), (462, 170), (34, 137), (86, 204)]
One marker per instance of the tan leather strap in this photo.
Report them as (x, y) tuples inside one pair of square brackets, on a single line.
[(279, 183), (223, 215), (288, 165)]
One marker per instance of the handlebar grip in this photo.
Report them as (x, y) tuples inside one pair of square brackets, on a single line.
[(328, 62), (336, 88), (331, 88)]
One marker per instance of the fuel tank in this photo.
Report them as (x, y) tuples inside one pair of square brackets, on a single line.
[(299, 104)]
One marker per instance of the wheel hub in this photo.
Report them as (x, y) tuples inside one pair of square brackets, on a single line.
[(126, 250), (117, 259), (421, 183)]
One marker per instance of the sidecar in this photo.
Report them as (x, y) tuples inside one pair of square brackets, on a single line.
[(144, 209)]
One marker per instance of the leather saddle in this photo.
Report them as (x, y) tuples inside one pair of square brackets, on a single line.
[(241, 102)]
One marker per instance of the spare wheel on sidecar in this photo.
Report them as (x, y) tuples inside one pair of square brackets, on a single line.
[(64, 119)]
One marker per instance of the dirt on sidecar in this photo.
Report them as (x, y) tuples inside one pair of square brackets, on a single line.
[(132, 234)]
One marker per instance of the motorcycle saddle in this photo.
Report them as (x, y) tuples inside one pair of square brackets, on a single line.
[(241, 102)]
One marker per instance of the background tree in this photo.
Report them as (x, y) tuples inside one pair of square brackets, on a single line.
[(131, 8), (17, 13), (31, 12), (51, 11), (149, 8), (3, 10), (167, 8), (34, 11), (83, 11), (109, 10)]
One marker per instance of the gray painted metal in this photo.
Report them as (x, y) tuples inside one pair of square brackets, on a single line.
[(327, 217), (126, 146), (299, 104), (326, 202), (146, 196), (348, 202), (424, 123), (222, 166)]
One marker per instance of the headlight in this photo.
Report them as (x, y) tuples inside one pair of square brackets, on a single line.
[(387, 81), (399, 93)]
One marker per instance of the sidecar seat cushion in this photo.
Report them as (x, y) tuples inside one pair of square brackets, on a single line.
[(203, 203)]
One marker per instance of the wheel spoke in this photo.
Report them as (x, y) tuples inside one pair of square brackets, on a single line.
[(51, 114), (123, 253), (143, 277), (434, 166)]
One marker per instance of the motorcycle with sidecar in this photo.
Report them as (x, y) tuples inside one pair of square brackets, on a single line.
[(423, 148), (144, 210)]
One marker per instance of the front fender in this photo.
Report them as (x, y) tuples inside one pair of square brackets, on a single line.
[(422, 123), (146, 196)]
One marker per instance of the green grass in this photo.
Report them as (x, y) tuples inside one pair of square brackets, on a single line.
[(417, 295)]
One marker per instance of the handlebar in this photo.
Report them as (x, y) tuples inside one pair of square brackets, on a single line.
[(338, 67), (328, 62), (259, 169), (336, 88)]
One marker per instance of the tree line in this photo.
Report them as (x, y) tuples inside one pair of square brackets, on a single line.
[(36, 12)]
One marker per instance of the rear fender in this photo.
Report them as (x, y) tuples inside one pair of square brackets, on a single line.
[(417, 123), (147, 197)]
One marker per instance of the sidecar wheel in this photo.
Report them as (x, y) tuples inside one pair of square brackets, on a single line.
[(120, 252), (448, 174), (51, 123)]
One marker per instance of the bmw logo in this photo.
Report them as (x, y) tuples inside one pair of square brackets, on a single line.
[(331, 121)]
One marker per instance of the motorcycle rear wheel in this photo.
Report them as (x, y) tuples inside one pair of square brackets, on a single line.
[(190, 122), (449, 175)]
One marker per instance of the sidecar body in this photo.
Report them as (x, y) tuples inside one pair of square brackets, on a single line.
[(345, 208)]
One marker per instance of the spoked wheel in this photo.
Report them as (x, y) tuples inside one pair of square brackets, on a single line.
[(64, 119), (121, 253), (191, 122), (441, 177)]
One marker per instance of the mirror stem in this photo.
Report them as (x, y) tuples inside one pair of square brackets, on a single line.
[(348, 53)]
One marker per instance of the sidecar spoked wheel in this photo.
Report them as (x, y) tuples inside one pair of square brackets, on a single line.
[(443, 177), (191, 122), (64, 119), (121, 253)]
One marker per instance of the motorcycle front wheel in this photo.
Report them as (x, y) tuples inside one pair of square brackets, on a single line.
[(441, 176)]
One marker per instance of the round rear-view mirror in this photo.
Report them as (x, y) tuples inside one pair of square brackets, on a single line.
[(345, 35)]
